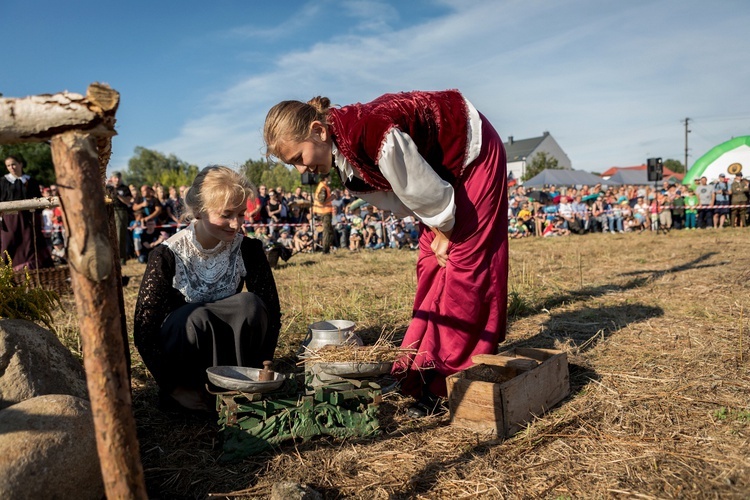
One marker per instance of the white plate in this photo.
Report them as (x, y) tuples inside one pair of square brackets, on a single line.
[(355, 369), (241, 378)]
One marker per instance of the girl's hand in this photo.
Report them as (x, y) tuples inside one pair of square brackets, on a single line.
[(439, 246)]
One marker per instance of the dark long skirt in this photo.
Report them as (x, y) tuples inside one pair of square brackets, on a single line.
[(21, 236), (230, 331)]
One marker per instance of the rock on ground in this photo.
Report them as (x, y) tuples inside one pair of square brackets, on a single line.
[(289, 490), (48, 450), (33, 362)]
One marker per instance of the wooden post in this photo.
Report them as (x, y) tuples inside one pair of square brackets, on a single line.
[(91, 260)]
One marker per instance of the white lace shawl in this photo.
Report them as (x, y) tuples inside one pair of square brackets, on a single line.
[(205, 275)]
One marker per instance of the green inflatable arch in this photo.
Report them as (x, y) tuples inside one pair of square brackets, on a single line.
[(704, 162)]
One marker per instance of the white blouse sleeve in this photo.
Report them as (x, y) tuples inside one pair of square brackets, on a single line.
[(415, 183)]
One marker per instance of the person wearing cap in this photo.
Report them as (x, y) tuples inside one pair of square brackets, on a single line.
[(704, 192), (738, 192), (720, 201)]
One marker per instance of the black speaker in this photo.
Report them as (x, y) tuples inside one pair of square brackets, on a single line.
[(655, 169), (309, 179)]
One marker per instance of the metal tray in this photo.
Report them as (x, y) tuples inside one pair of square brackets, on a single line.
[(241, 378), (355, 369)]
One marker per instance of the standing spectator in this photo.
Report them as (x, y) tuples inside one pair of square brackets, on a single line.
[(739, 192), (263, 195), (704, 191), (253, 210), (122, 202), (21, 233), (149, 204), (665, 213), (273, 208), (678, 210), (691, 210), (720, 201), (136, 227), (175, 207), (323, 209)]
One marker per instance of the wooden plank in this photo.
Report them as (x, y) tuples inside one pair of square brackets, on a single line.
[(534, 392), (521, 364), (475, 405)]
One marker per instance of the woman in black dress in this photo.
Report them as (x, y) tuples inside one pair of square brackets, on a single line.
[(191, 312), (21, 233)]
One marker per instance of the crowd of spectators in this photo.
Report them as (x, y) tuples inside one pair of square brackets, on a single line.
[(286, 220), (559, 211), (154, 212)]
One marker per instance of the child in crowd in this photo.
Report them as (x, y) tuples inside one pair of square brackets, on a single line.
[(372, 240), (150, 237), (691, 210), (355, 240), (136, 227)]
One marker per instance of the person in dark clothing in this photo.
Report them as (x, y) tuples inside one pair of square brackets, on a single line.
[(21, 233), (191, 312)]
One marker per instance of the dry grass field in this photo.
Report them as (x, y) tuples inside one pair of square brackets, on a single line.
[(657, 333)]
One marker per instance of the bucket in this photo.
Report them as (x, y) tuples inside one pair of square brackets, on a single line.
[(330, 332)]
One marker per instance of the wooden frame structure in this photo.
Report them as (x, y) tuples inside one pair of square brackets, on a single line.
[(80, 130)]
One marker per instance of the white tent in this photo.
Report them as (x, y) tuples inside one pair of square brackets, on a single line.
[(570, 178)]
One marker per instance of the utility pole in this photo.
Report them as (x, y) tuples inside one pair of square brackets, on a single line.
[(687, 131)]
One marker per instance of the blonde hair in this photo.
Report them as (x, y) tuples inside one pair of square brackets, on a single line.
[(216, 188), (290, 120)]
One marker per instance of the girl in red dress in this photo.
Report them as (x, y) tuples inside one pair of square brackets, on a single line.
[(434, 156)]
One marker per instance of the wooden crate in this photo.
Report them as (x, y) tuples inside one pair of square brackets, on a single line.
[(500, 393)]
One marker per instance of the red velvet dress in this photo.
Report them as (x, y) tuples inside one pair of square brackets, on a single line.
[(459, 310)]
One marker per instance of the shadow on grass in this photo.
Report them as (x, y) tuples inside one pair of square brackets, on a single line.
[(643, 277), (583, 328)]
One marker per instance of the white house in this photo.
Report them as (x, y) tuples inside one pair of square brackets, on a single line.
[(521, 153)]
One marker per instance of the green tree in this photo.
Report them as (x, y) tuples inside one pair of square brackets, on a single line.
[(254, 170), (38, 156), (539, 162), (281, 175), (149, 167), (675, 166)]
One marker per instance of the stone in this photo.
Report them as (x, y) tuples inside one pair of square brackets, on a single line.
[(33, 362), (289, 490), (48, 450)]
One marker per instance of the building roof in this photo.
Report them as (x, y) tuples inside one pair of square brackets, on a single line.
[(520, 150), (666, 172)]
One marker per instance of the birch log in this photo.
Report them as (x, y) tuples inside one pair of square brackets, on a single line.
[(40, 117), (91, 260)]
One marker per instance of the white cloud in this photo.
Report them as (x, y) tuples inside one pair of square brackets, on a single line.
[(610, 82)]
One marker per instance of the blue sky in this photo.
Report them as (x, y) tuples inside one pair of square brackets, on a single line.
[(612, 81)]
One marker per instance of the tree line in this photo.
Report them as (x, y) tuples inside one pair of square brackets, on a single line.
[(147, 166)]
